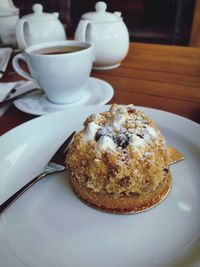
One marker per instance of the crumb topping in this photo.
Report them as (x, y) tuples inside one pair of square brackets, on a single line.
[(120, 151), (124, 127)]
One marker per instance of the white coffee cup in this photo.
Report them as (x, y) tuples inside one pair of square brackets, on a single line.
[(62, 76)]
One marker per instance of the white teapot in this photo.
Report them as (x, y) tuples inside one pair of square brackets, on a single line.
[(38, 28), (107, 33), (9, 15)]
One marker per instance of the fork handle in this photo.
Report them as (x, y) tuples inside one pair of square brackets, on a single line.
[(16, 195)]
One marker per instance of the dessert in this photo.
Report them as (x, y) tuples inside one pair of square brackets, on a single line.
[(119, 162)]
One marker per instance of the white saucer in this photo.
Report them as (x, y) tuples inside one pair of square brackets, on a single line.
[(97, 92), (110, 67)]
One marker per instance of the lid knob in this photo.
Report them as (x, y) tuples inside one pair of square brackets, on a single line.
[(100, 6), (37, 8)]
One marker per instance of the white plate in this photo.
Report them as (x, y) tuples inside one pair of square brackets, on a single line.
[(49, 226), (5, 54), (96, 92)]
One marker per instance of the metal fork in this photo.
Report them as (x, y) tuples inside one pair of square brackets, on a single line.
[(51, 167)]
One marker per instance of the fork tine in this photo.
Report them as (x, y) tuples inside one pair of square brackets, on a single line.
[(60, 156), (64, 148)]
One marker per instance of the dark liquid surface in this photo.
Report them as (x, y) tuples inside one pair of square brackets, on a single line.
[(58, 50)]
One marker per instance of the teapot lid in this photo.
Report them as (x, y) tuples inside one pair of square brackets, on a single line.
[(38, 14), (100, 15)]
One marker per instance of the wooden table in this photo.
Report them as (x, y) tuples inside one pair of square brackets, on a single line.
[(157, 76)]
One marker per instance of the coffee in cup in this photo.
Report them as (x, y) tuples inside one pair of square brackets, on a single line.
[(55, 50), (61, 68)]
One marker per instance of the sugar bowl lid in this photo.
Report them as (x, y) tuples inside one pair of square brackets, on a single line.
[(101, 15)]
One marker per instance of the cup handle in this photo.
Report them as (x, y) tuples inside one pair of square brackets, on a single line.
[(19, 70)]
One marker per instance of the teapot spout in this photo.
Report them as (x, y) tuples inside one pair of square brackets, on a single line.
[(118, 14), (56, 14)]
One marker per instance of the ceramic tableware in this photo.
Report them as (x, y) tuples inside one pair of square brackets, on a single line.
[(96, 92), (62, 74), (9, 15), (107, 33), (39, 27), (49, 218)]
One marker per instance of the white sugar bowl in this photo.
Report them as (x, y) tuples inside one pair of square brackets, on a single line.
[(107, 33), (39, 27), (9, 14)]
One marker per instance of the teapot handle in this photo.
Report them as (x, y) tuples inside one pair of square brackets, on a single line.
[(20, 33), (80, 34)]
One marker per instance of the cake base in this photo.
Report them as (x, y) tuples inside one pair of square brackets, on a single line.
[(123, 204)]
